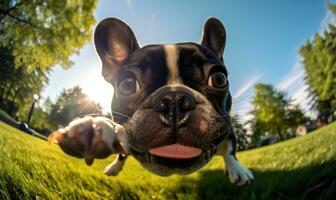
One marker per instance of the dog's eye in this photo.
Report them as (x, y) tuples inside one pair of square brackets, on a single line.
[(128, 86), (217, 80)]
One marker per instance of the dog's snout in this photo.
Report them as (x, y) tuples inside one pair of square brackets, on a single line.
[(174, 106)]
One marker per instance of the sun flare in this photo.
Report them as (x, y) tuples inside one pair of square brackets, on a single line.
[(98, 90)]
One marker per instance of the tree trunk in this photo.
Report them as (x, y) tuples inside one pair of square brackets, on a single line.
[(280, 134)]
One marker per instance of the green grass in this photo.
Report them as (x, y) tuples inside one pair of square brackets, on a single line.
[(300, 168)]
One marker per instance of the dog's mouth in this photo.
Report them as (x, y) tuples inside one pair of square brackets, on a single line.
[(176, 152), (175, 156)]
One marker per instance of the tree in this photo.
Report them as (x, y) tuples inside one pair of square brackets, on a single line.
[(319, 61), (35, 36), (43, 33), (243, 140), (18, 84), (295, 117), (70, 104), (258, 131), (40, 122), (273, 113)]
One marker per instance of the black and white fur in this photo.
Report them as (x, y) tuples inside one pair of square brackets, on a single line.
[(184, 72)]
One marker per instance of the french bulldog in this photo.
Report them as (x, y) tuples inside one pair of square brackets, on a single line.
[(172, 101)]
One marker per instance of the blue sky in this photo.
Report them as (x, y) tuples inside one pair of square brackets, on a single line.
[(263, 39)]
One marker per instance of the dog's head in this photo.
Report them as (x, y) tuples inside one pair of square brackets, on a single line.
[(177, 96)]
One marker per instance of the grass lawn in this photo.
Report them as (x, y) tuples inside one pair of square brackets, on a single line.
[(300, 168)]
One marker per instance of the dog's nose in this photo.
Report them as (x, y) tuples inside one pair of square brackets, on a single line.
[(174, 106)]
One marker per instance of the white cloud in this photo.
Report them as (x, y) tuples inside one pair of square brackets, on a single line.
[(300, 96), (248, 84), (291, 79), (129, 3), (152, 20), (293, 84)]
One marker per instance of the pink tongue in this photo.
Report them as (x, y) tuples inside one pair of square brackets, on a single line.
[(176, 151)]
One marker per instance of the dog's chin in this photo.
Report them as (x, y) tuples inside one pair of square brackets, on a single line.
[(164, 166)]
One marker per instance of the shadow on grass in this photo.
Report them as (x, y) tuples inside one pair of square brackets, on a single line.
[(13, 190), (311, 182)]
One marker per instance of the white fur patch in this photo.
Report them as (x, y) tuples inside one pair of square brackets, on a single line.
[(173, 70), (115, 167), (238, 174)]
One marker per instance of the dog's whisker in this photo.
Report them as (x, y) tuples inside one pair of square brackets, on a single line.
[(92, 115), (121, 114)]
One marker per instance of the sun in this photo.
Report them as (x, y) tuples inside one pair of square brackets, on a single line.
[(100, 91)]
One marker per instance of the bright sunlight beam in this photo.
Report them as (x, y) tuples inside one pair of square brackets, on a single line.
[(95, 86)]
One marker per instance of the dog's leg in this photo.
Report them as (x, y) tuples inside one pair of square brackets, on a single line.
[(116, 166), (237, 173)]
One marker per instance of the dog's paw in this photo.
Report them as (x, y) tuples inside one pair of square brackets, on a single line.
[(114, 168), (90, 138), (239, 175)]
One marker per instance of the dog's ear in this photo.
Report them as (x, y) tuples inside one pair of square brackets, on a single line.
[(214, 36), (114, 41)]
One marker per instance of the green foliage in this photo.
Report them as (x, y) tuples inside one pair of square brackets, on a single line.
[(40, 119), (35, 36), (319, 60), (300, 168), (258, 131), (243, 140), (295, 117), (269, 109), (43, 33), (18, 84), (273, 113), (72, 103)]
